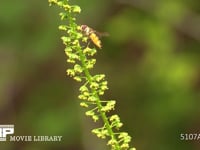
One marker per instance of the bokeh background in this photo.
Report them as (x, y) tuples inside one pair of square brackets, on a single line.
[(151, 60)]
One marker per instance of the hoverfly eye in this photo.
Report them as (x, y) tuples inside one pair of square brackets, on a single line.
[(83, 27)]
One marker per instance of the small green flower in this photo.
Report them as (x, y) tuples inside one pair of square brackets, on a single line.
[(71, 72), (78, 79), (95, 118), (52, 2), (84, 104), (62, 27), (94, 85), (92, 99), (90, 113), (63, 15), (78, 68), (83, 97), (76, 9), (89, 51), (90, 63), (66, 39), (83, 88)]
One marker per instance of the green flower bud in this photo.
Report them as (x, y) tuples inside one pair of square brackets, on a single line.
[(83, 88), (83, 104), (63, 15), (83, 97), (89, 113), (92, 99), (70, 72), (95, 118), (78, 79), (112, 142), (124, 146), (52, 2), (66, 40), (76, 9), (114, 117), (62, 27), (71, 61), (94, 85), (67, 7), (78, 68)]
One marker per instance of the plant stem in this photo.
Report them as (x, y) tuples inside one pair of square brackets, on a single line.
[(98, 101)]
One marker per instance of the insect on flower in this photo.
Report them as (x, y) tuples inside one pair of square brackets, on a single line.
[(93, 35)]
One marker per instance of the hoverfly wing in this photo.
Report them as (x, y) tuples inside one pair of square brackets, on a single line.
[(102, 34)]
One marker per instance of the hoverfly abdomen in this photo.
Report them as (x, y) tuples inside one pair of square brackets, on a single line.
[(95, 40), (91, 35)]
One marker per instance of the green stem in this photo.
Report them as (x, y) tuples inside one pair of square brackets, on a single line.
[(98, 102)]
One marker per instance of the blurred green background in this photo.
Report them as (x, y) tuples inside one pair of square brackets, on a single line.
[(151, 59)]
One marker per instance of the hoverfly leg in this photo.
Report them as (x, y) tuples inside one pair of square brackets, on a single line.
[(88, 43)]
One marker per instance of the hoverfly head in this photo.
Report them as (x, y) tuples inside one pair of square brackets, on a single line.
[(85, 29)]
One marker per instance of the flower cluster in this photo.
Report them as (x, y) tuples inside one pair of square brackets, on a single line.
[(80, 56)]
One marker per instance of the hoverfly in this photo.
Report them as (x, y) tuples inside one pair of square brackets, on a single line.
[(93, 35)]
